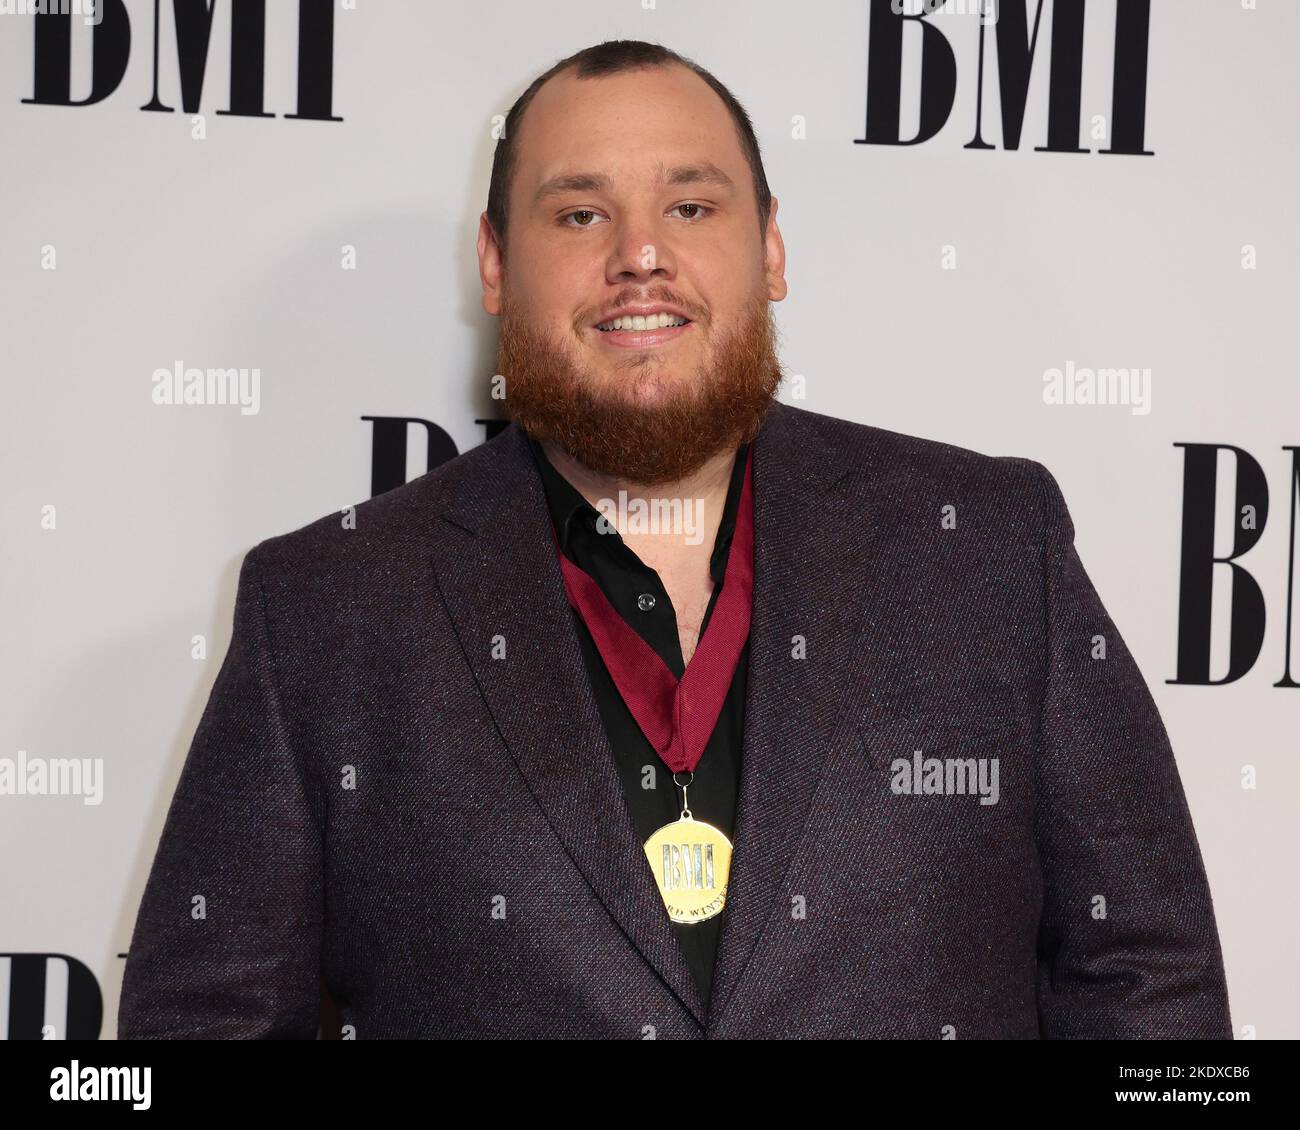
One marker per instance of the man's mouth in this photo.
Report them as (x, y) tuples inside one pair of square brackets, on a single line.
[(638, 332), (650, 322)]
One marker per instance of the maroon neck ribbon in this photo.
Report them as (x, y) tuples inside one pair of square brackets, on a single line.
[(676, 716)]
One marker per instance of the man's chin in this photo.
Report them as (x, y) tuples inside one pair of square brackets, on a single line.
[(647, 391), (640, 377)]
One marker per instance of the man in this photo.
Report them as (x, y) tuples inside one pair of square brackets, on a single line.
[(829, 749)]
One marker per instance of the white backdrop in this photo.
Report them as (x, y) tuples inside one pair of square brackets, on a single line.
[(931, 287)]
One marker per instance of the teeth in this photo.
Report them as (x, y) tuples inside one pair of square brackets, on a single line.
[(652, 322)]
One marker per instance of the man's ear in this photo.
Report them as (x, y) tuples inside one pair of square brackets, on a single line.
[(489, 265), (774, 257)]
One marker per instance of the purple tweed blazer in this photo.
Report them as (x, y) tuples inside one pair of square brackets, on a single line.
[(400, 785)]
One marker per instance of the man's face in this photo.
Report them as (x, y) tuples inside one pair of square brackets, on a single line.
[(633, 191)]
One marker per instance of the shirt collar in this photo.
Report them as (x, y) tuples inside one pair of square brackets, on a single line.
[(574, 517)]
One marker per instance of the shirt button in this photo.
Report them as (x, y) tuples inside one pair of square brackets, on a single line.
[(645, 601)]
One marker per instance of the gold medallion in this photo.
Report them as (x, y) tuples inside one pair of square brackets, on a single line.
[(690, 860)]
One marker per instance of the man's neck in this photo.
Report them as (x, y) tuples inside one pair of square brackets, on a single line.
[(629, 506)]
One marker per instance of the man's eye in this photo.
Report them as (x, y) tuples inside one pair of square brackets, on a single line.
[(586, 217), (579, 212), (699, 208)]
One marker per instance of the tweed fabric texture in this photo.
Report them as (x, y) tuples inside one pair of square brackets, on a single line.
[(400, 782)]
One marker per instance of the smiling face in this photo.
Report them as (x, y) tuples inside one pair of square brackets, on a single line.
[(632, 196)]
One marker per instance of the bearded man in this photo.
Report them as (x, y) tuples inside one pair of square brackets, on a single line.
[(674, 710)]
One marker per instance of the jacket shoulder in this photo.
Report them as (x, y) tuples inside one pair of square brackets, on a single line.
[(928, 471), (366, 533)]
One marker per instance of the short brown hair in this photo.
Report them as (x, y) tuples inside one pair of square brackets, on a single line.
[(613, 57)]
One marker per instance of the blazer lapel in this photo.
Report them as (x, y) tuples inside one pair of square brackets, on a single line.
[(496, 567), (809, 584)]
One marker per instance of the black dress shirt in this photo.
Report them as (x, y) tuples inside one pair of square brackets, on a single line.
[(635, 591)]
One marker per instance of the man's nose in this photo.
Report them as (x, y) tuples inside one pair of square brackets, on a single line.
[(641, 253)]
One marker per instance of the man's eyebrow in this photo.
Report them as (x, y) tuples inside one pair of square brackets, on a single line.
[(573, 182), (703, 172), (700, 172)]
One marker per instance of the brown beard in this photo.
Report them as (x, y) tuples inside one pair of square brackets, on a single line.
[(599, 421)]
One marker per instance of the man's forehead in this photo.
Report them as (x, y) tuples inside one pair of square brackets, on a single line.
[(633, 92), (635, 122)]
